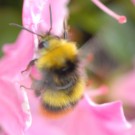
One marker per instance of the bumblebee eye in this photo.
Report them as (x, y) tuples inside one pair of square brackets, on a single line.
[(43, 44)]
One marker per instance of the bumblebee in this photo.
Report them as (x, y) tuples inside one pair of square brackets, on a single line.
[(61, 85)]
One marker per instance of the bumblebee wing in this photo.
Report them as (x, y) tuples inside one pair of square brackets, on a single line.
[(97, 58)]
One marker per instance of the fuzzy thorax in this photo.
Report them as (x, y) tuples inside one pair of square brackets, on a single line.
[(57, 53)]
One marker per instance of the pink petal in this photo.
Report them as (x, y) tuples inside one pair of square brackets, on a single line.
[(87, 118), (17, 55), (14, 114), (14, 118), (36, 15)]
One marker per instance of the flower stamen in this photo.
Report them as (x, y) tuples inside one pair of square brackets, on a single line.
[(120, 18)]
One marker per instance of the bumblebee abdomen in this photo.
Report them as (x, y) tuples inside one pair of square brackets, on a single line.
[(55, 101)]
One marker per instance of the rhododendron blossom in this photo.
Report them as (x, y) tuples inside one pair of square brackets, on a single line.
[(95, 119), (87, 118), (14, 111)]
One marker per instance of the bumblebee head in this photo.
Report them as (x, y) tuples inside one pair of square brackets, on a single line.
[(54, 53)]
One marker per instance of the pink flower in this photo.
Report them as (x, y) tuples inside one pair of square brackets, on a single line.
[(14, 111), (86, 118)]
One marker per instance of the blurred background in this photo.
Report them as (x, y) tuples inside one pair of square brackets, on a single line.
[(111, 44)]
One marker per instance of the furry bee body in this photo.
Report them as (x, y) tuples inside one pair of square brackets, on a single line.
[(61, 85)]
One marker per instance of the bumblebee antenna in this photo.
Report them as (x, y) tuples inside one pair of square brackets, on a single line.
[(65, 30), (17, 25), (50, 13)]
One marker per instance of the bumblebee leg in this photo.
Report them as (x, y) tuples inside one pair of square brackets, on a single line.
[(32, 78), (37, 92), (38, 86), (31, 63), (22, 86)]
